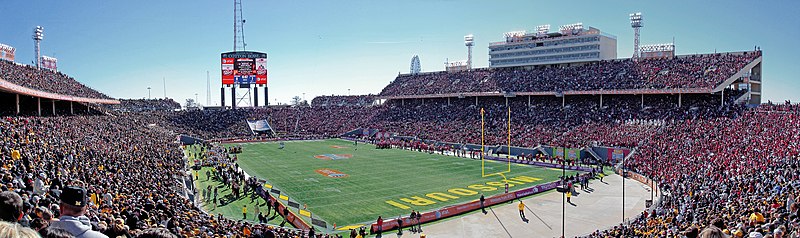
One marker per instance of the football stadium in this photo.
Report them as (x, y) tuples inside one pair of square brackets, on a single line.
[(562, 131)]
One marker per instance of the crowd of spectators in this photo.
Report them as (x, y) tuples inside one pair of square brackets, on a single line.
[(341, 100), (45, 80), (738, 175), (132, 176), (144, 105), (691, 71), (459, 120)]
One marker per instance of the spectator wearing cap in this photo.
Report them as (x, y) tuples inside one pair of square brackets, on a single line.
[(73, 208)]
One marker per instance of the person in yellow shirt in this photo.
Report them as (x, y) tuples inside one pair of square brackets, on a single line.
[(521, 207), (757, 217), (569, 195), (244, 212)]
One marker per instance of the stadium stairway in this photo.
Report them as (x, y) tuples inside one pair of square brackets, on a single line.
[(353, 132), (591, 152), (541, 149), (737, 75), (742, 98)]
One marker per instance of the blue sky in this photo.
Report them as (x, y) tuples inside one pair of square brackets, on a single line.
[(328, 47)]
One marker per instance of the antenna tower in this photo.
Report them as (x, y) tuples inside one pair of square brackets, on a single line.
[(241, 97), (208, 88), (238, 27)]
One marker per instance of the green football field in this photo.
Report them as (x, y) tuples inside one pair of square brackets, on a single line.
[(346, 184)]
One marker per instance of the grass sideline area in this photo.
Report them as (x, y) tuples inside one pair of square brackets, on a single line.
[(346, 184), (232, 209)]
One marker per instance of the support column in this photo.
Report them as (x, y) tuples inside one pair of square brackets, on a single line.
[(17, 104), (529, 100), (222, 97), (448, 101), (680, 100), (39, 106), (563, 101), (601, 100), (233, 97), (54, 106), (506, 101), (402, 102), (255, 97), (423, 101), (722, 98), (476, 100), (642, 100), (71, 112)]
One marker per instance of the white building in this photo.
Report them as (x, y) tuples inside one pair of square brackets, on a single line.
[(572, 44)]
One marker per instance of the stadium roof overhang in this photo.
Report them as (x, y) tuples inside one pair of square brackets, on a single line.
[(589, 92), (9, 87)]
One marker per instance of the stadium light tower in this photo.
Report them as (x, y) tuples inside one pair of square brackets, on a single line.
[(636, 23), (469, 42), (38, 36)]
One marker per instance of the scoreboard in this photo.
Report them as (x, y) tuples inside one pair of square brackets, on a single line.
[(244, 68)]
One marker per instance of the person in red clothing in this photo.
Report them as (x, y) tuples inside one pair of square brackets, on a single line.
[(380, 226)]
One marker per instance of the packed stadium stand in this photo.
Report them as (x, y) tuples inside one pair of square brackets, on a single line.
[(682, 72), (46, 80), (334, 100), (142, 105), (720, 160)]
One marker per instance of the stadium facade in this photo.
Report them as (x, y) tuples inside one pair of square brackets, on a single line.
[(572, 44)]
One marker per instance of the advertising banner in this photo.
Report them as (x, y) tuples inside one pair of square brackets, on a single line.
[(466, 207), (7, 52), (261, 71), (615, 155), (227, 71), (259, 125), (558, 152), (573, 154), (540, 164)]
